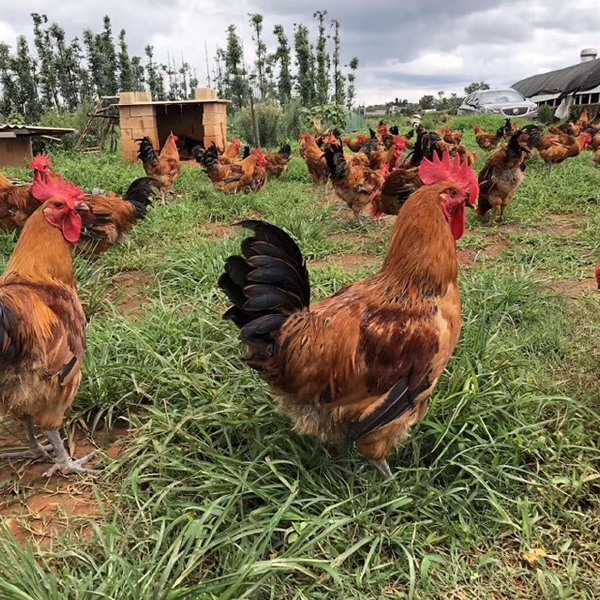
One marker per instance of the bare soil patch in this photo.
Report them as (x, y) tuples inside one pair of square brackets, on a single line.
[(128, 292), (38, 510), (348, 262)]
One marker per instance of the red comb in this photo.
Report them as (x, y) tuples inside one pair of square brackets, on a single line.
[(45, 188), (41, 162), (447, 170)]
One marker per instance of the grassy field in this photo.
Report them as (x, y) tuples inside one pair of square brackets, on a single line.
[(205, 492)]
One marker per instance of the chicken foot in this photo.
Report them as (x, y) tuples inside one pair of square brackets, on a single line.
[(36, 450), (64, 464), (383, 467)]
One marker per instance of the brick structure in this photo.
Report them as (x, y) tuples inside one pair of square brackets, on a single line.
[(204, 118)]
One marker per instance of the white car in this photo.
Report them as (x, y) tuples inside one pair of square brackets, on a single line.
[(507, 103)]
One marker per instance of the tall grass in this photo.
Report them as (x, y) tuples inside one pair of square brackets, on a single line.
[(216, 497)]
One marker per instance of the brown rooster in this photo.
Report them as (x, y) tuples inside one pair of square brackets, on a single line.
[(42, 325), (164, 168), (360, 366)]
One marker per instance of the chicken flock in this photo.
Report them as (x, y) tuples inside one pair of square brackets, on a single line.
[(356, 369)]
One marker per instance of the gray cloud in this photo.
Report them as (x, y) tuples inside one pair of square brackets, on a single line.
[(406, 49)]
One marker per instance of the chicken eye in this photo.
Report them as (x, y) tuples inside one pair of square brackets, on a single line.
[(59, 205), (453, 193)]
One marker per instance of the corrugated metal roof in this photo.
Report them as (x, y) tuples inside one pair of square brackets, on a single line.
[(34, 130), (577, 78)]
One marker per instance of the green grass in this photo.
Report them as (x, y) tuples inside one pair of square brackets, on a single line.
[(215, 496)]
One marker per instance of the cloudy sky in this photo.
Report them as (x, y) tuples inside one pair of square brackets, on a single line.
[(406, 48)]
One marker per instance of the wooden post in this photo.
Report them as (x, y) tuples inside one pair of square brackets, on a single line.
[(254, 122)]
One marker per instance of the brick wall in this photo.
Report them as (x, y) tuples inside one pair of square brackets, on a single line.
[(137, 122), (215, 124)]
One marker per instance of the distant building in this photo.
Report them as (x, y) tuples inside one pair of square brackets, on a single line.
[(578, 85)]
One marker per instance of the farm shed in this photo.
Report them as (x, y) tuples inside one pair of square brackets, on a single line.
[(577, 85), (15, 142), (204, 118)]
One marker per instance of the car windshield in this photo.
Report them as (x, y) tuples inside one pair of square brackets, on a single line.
[(500, 97)]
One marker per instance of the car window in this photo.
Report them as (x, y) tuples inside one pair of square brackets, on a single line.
[(500, 97)]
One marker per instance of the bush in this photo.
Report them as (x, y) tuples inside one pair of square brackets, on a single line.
[(270, 124), (546, 114)]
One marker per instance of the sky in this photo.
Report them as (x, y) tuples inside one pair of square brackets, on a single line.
[(406, 48)]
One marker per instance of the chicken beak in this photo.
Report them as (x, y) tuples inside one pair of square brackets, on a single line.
[(83, 208)]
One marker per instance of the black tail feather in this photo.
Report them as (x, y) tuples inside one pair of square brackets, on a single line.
[(286, 150), (140, 193), (265, 285), (146, 152)]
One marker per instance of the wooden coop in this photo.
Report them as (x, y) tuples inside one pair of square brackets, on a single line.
[(15, 142), (202, 119)]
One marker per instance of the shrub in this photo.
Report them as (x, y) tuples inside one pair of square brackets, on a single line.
[(546, 114), (270, 124)]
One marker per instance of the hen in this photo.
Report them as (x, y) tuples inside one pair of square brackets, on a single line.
[(353, 182), (501, 177), (277, 162), (42, 325), (244, 176), (360, 366), (164, 168), (315, 159), (555, 149)]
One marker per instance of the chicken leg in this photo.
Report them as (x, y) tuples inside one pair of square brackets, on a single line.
[(36, 450), (63, 462), (383, 467)]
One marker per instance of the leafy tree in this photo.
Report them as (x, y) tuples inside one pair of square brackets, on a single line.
[(322, 60), (153, 76), (353, 65), (339, 92), (126, 76), (256, 22), (427, 101), (305, 83), (47, 75), (473, 87), (282, 55), (110, 66), (237, 83)]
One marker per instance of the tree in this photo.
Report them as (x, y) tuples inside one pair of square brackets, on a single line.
[(234, 67), (47, 72), (282, 55), (153, 76), (110, 68), (473, 87), (353, 65), (305, 83), (322, 61), (256, 21), (339, 93), (127, 81), (427, 101), (23, 66)]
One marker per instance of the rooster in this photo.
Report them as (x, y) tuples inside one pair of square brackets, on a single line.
[(17, 202), (360, 366), (502, 176), (451, 137), (277, 162), (245, 176), (357, 143), (164, 168), (315, 159), (42, 325), (354, 183), (391, 157)]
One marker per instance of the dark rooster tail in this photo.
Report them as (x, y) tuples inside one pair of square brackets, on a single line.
[(209, 158), (286, 150), (140, 193), (146, 152), (246, 153), (336, 163), (198, 153), (394, 130), (266, 285)]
